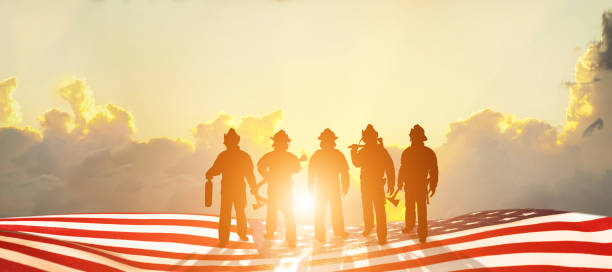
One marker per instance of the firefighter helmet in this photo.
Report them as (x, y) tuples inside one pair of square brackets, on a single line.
[(369, 134), (231, 137), (327, 135), (281, 136), (417, 133)]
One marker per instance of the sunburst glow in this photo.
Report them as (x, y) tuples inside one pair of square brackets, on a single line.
[(304, 202)]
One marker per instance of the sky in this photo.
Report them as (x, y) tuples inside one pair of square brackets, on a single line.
[(121, 106), (340, 65)]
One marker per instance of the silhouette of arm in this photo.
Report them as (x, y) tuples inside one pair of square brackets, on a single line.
[(433, 172), (344, 174), (250, 176), (390, 170), (356, 157), (215, 169), (262, 166), (402, 174)]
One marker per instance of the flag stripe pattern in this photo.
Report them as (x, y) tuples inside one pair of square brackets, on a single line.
[(502, 240)]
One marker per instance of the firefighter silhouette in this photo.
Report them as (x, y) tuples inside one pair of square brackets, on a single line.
[(277, 167), (418, 170), (235, 166), (328, 171), (375, 163)]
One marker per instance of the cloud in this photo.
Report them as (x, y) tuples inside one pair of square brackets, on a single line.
[(9, 109), (87, 161), (493, 160), (257, 130), (81, 100), (107, 125), (56, 123), (598, 124), (15, 141), (605, 45)]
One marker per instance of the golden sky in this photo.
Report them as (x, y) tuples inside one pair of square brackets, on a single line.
[(173, 64), (514, 97)]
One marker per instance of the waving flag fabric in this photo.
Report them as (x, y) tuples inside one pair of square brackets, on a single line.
[(502, 240)]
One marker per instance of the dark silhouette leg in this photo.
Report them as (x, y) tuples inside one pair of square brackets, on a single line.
[(225, 220), (321, 207), (241, 221), (337, 216), (290, 228), (409, 213), (381, 220), (422, 213), (271, 219), (368, 217)]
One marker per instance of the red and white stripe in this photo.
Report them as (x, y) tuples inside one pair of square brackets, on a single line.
[(175, 242)]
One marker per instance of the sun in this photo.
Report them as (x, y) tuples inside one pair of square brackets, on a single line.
[(304, 202)]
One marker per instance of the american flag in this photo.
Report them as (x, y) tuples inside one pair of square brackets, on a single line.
[(500, 240)]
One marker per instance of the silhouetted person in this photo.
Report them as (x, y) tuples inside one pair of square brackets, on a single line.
[(328, 170), (277, 167), (234, 165), (419, 168), (375, 162)]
